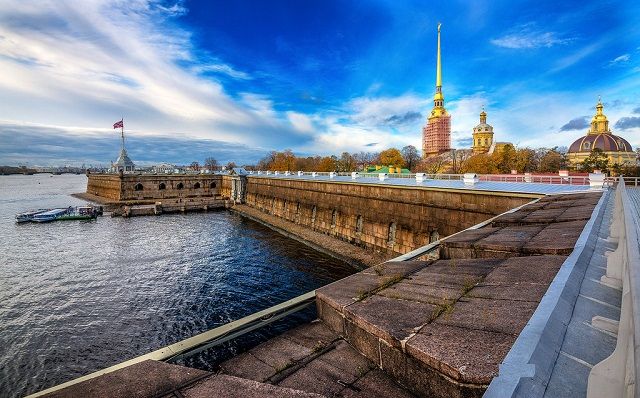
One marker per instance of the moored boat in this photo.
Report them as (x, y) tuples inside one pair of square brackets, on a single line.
[(80, 213), (50, 215), (28, 215)]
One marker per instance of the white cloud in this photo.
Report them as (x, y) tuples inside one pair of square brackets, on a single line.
[(528, 36), (300, 122), (66, 64), (620, 60), (223, 69)]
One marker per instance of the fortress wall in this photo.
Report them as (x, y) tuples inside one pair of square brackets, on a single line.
[(380, 217), (132, 187)]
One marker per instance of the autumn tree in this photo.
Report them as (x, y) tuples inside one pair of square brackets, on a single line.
[(364, 159), (480, 164), (391, 157), (210, 163), (526, 160), (283, 161), (411, 156), (551, 161), (328, 163), (597, 160), (505, 159), (195, 166), (431, 165), (346, 162), (458, 159)]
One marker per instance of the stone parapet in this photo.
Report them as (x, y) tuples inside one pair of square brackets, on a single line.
[(386, 218)]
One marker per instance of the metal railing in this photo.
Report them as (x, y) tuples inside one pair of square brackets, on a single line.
[(204, 341), (616, 375), (515, 178), (632, 181)]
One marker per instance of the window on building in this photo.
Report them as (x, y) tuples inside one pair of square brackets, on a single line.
[(587, 146), (196, 185), (162, 186), (180, 186), (138, 187), (212, 185)]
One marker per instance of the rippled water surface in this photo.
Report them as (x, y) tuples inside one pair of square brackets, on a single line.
[(79, 296)]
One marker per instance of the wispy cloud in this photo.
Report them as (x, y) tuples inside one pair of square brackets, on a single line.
[(409, 117), (222, 69), (52, 146), (124, 58), (622, 59), (579, 123), (578, 55), (626, 123), (528, 36)]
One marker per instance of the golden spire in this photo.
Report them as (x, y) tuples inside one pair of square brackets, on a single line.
[(483, 116), (439, 64), (599, 123), (438, 99)]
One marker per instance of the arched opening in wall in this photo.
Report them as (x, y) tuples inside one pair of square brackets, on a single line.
[(180, 186), (196, 185), (212, 185), (314, 212), (359, 224), (434, 236), (334, 218), (162, 186), (138, 187), (297, 215), (391, 240)]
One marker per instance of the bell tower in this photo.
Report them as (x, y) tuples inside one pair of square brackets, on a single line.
[(436, 134)]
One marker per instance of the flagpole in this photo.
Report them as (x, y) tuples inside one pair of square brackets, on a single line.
[(122, 131)]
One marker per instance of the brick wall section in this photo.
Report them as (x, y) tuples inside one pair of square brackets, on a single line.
[(153, 187), (413, 213)]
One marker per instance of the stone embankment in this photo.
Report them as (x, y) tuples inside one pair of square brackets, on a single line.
[(358, 257), (436, 328), (440, 328)]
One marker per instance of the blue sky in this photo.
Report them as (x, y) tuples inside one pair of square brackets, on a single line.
[(235, 79)]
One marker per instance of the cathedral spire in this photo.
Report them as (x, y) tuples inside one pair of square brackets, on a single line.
[(438, 97), (439, 64)]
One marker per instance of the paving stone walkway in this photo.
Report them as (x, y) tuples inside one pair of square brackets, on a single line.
[(585, 345), (634, 194)]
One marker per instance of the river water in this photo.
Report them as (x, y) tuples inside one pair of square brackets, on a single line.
[(79, 296)]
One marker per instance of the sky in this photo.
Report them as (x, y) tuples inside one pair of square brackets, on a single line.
[(236, 79)]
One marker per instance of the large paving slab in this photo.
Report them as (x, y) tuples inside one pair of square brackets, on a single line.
[(333, 368), (443, 327), (141, 380), (223, 386)]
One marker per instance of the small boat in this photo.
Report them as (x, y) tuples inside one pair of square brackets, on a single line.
[(28, 215), (80, 213), (50, 215)]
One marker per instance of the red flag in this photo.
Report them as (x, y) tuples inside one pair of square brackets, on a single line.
[(119, 124)]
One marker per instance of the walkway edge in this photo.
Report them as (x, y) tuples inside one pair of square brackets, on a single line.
[(526, 370)]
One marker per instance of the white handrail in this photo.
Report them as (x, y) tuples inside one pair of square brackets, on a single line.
[(616, 375)]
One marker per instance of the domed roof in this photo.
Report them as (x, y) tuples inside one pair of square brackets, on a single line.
[(605, 141), (482, 126)]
